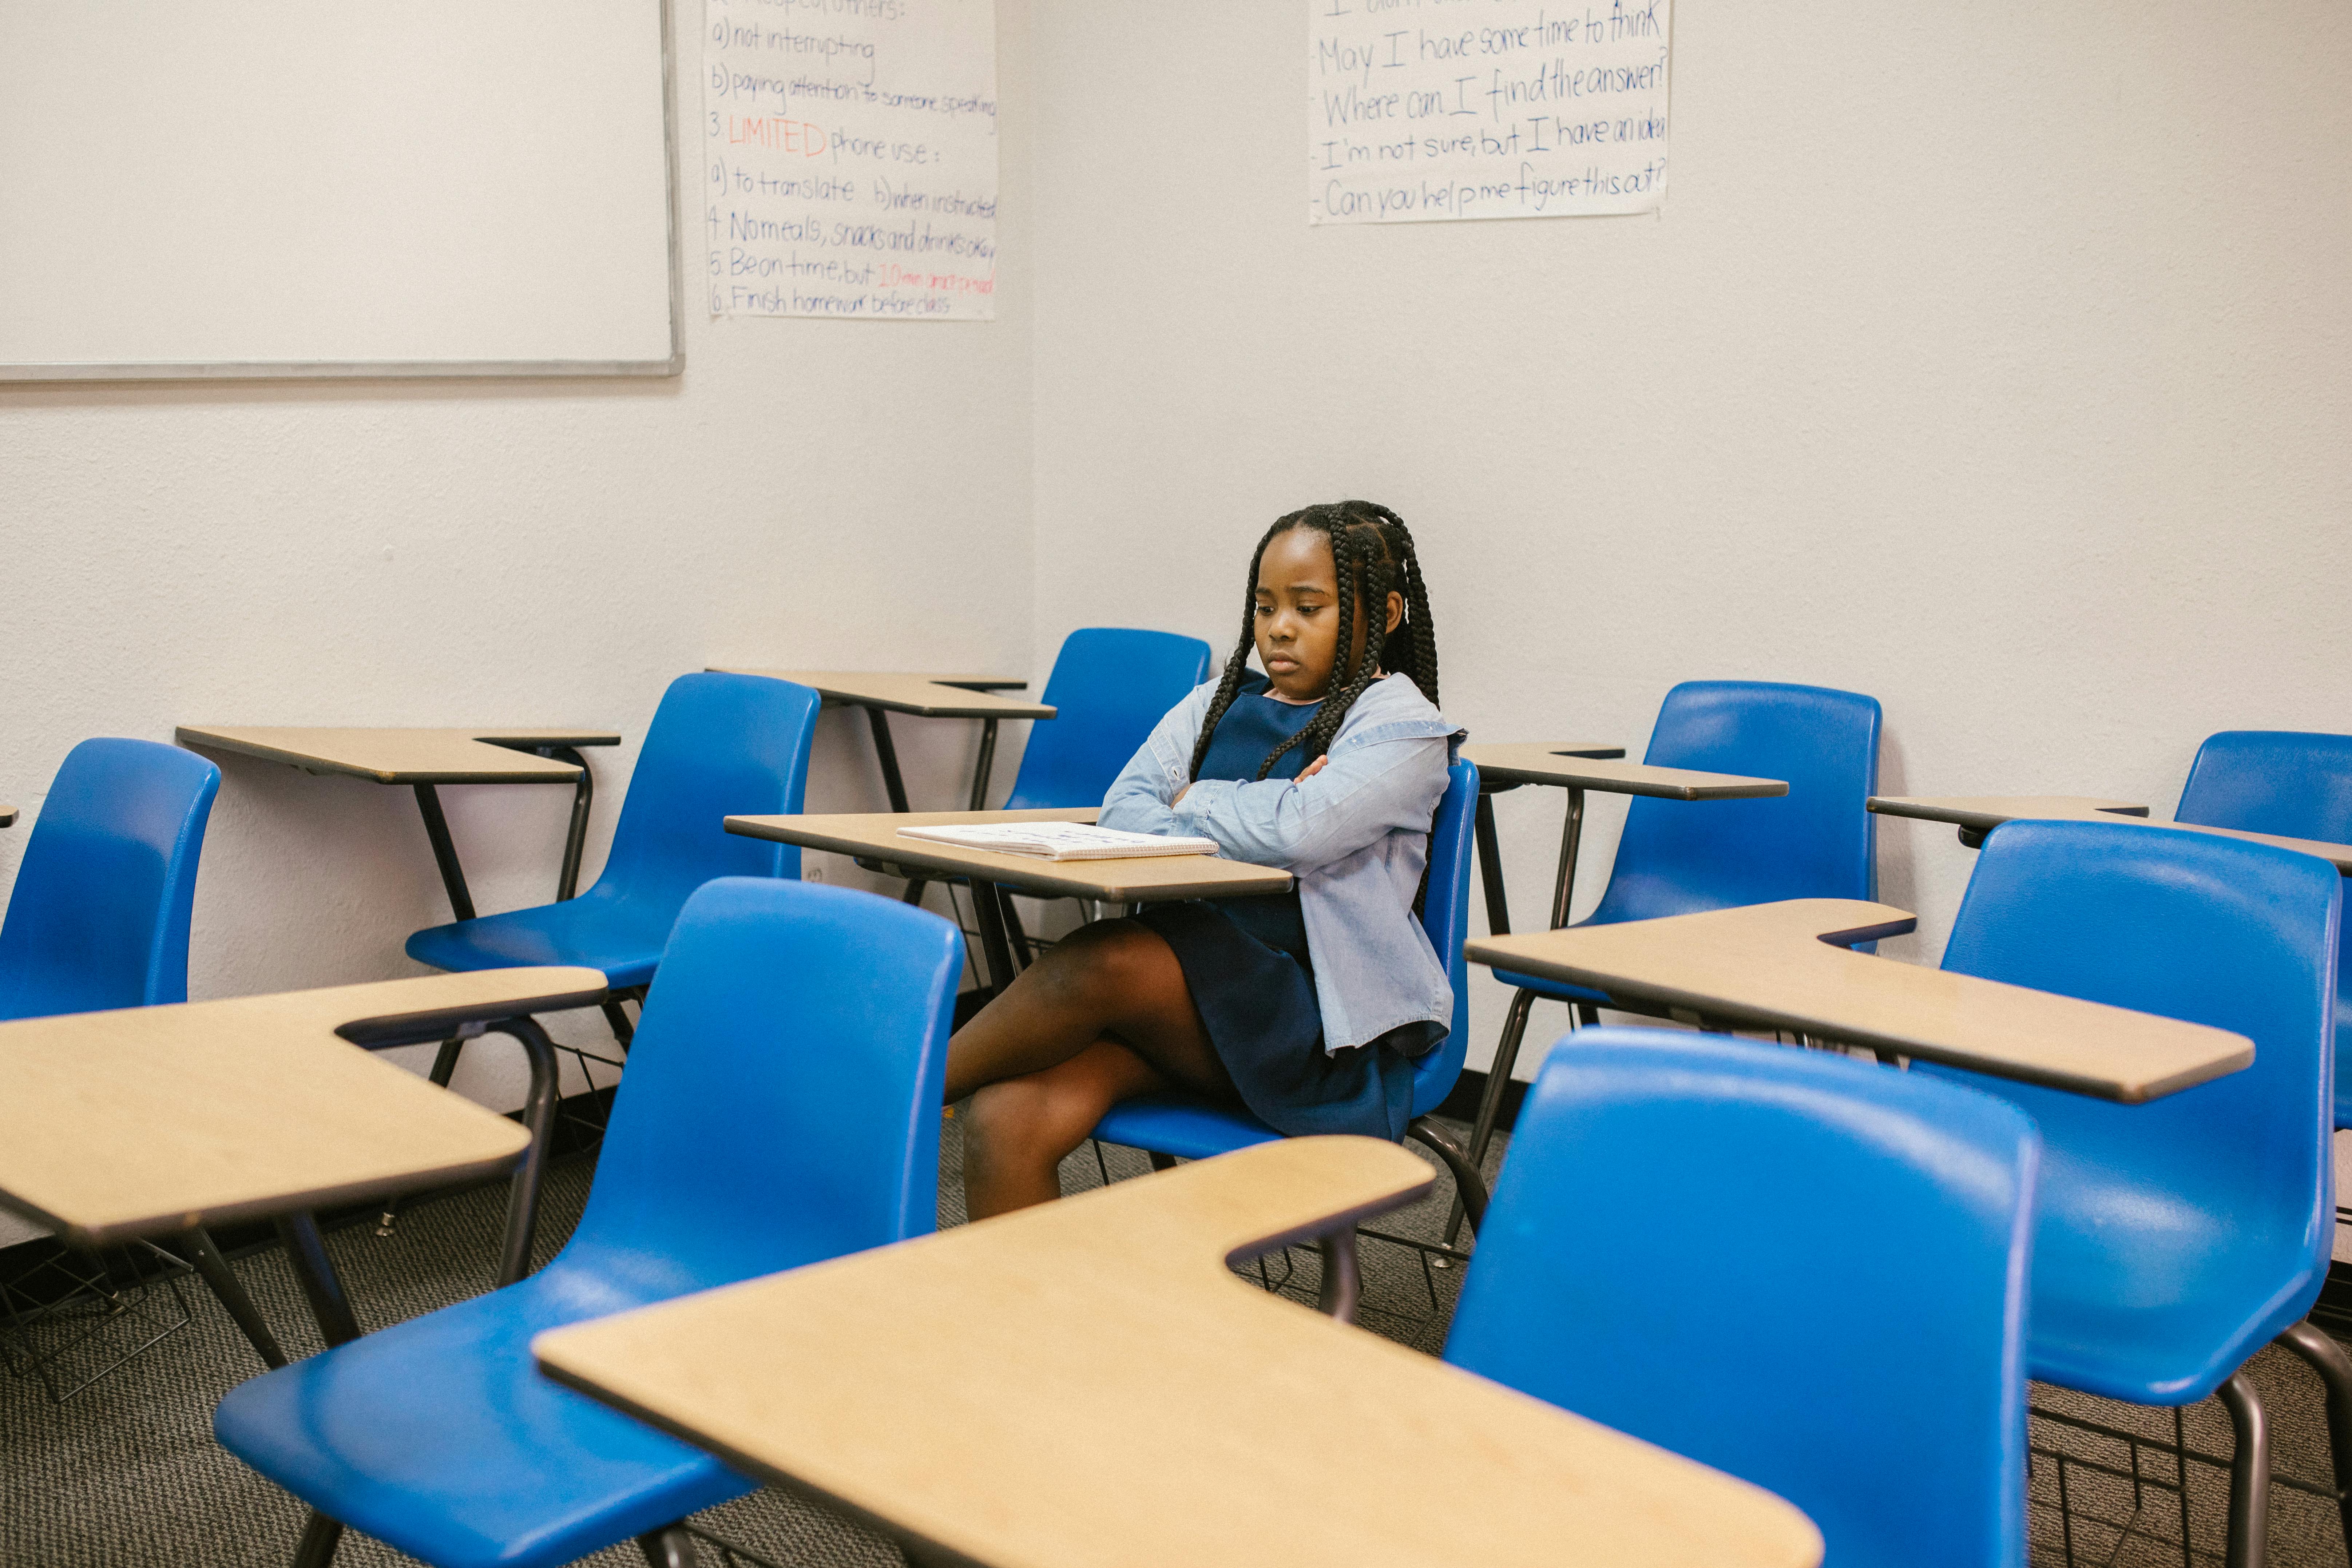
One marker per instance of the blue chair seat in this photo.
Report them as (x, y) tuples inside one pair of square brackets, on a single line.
[(2142, 1295), (622, 936), (1553, 990), (433, 1436), (1187, 1128)]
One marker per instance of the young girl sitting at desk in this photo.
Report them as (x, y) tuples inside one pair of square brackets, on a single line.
[(1306, 1007)]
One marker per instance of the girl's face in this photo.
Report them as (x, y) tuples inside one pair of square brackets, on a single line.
[(1298, 615)]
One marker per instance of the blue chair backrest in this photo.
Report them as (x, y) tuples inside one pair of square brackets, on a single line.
[(2213, 930), (720, 746), (1111, 686), (1854, 1339), (1678, 858), (782, 1098), (2272, 780), (2293, 784), (98, 918), (1446, 917)]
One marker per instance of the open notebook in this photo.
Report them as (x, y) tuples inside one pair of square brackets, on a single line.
[(1060, 840)]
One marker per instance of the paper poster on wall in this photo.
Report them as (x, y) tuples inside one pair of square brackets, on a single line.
[(851, 166), (1419, 110)]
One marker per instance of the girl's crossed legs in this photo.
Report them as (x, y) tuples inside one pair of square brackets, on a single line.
[(1102, 1016)]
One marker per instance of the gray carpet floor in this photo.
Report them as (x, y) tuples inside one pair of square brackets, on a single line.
[(126, 1475)]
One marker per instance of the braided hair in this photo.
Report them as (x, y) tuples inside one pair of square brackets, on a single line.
[(1371, 556)]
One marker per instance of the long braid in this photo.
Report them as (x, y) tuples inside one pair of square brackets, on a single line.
[(1229, 685)]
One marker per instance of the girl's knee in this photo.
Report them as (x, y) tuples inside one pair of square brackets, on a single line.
[(1100, 963), (1040, 1117)]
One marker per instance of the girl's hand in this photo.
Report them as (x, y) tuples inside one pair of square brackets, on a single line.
[(1311, 769)]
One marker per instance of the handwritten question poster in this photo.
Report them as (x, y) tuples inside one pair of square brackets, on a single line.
[(852, 158), (1420, 111)]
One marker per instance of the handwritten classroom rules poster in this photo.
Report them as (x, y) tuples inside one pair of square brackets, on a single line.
[(852, 166), (1419, 110)]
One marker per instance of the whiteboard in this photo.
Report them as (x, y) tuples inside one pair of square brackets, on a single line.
[(336, 188)]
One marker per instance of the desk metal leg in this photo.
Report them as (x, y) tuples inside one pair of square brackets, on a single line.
[(539, 1116), (1490, 868), (1343, 1284), (320, 1536), (1507, 1050), (231, 1294), (987, 761), (444, 853), (1571, 833), (575, 838), (894, 783), (990, 915), (316, 1275)]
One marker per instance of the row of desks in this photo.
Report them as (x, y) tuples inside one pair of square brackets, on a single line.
[(1060, 1386), (926, 1386)]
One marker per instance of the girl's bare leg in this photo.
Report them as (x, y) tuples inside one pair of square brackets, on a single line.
[(1104, 1016)]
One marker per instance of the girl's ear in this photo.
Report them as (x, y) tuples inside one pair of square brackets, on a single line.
[(1396, 610)]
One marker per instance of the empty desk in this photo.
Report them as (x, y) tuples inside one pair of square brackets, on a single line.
[(1978, 815), (1787, 966), (881, 694), (1087, 1382), (426, 759), (156, 1120)]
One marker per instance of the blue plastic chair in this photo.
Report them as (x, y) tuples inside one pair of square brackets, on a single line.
[(781, 1107), (2294, 785), (1174, 1126), (1679, 858), (1111, 686), (98, 918), (719, 745), (1852, 1339), (2177, 1238)]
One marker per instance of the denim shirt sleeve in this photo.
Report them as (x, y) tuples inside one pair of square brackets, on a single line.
[(1373, 784), (1156, 774)]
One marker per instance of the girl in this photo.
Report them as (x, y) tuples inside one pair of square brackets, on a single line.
[(1307, 1008)]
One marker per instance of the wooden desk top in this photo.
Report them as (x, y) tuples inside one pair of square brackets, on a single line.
[(153, 1120), (925, 696), (1085, 1384), (1773, 966), (406, 756), (1149, 878), (7, 817), (1572, 764), (1981, 814)]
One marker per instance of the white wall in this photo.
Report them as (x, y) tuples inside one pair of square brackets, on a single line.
[(809, 493), (1989, 359)]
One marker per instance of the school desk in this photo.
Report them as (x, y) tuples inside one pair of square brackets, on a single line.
[(1575, 766), (873, 840), (1087, 1382), (882, 694), (162, 1120), (426, 759), (1788, 965), (7, 817), (1975, 815)]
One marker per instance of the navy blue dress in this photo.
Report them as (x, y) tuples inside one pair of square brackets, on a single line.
[(1247, 964)]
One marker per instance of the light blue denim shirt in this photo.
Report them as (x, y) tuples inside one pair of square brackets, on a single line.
[(1356, 835)]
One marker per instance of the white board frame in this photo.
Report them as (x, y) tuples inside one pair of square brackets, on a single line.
[(426, 370)]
